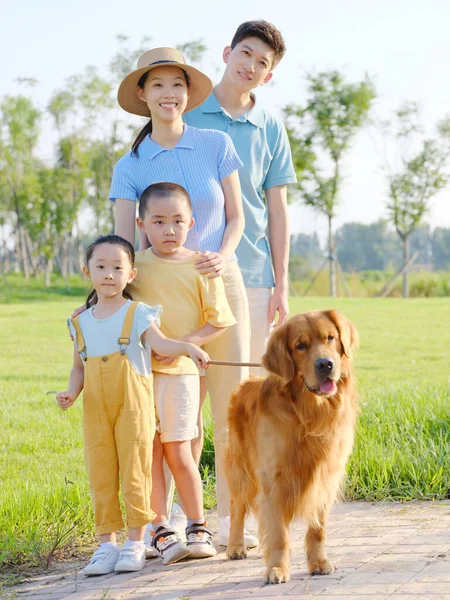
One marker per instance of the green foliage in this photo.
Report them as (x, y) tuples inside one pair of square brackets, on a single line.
[(365, 284), (325, 127)]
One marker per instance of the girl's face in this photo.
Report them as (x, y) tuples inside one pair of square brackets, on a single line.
[(165, 92), (109, 270)]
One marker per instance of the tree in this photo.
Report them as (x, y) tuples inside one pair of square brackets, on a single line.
[(422, 172), (440, 243), (19, 131), (323, 130)]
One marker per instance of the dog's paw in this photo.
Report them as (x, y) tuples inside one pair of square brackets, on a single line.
[(236, 552), (322, 567), (277, 575)]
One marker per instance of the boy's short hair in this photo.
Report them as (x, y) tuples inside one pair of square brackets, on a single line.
[(163, 189), (266, 32)]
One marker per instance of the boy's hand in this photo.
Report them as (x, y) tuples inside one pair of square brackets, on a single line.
[(199, 356), (64, 400), (212, 264), (165, 360)]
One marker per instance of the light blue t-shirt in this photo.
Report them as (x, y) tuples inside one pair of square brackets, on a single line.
[(198, 162), (101, 335), (263, 146)]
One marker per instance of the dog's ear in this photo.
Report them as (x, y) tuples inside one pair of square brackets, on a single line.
[(347, 332), (278, 358)]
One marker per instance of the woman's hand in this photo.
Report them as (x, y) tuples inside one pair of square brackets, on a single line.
[(198, 356), (65, 400), (212, 264)]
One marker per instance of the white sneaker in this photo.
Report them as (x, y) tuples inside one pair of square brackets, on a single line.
[(131, 559), (103, 561), (150, 550), (251, 541), (199, 541), (178, 520), (170, 547)]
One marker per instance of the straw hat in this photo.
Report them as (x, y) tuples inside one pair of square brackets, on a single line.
[(200, 85)]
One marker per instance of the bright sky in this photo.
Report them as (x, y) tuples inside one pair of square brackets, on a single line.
[(403, 44)]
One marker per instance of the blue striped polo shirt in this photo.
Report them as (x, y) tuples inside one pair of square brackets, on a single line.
[(263, 146), (198, 162)]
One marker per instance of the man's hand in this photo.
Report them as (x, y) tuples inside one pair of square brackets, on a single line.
[(65, 400), (279, 304), (211, 264)]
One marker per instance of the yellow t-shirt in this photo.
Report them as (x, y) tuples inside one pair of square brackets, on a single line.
[(189, 300)]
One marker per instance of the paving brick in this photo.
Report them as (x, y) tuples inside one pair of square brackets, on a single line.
[(381, 550)]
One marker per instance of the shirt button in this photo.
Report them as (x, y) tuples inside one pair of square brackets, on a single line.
[(104, 358)]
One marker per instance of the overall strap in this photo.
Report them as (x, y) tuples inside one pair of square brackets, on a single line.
[(81, 346), (124, 339)]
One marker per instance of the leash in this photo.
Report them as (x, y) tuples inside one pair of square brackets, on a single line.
[(229, 363)]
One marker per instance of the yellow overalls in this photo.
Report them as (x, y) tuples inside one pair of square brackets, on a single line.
[(119, 426)]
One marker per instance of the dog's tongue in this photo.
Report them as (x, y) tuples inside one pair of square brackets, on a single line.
[(327, 386)]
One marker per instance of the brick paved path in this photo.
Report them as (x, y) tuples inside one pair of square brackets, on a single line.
[(381, 551)]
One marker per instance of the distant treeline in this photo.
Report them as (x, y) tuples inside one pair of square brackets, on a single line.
[(375, 246)]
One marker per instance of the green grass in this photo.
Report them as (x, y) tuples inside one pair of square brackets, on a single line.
[(402, 448)]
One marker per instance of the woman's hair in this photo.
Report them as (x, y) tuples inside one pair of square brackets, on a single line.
[(148, 128), (114, 240)]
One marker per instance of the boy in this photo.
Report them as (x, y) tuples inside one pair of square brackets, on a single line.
[(263, 146), (194, 307)]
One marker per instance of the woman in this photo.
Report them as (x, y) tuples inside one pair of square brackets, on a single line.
[(204, 162)]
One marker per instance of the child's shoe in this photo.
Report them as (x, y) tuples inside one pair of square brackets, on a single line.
[(199, 541), (103, 560), (170, 547), (178, 520), (131, 558), (150, 550)]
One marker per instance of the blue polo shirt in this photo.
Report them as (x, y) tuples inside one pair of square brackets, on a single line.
[(198, 163), (263, 146)]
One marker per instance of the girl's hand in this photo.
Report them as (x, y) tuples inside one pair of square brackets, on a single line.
[(212, 264), (64, 400), (199, 356)]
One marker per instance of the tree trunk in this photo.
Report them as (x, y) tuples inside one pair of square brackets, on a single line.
[(23, 252), (405, 262), (48, 271), (332, 259)]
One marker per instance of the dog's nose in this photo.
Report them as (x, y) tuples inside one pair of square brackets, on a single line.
[(324, 366)]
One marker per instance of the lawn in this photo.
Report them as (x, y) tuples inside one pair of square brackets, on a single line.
[(402, 448)]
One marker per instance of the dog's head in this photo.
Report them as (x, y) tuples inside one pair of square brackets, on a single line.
[(316, 347)]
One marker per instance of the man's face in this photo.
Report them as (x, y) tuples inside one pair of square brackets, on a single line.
[(249, 63)]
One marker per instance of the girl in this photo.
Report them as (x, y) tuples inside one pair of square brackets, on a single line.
[(113, 341), (205, 163)]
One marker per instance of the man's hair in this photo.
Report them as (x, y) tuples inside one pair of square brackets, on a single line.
[(163, 189), (266, 32)]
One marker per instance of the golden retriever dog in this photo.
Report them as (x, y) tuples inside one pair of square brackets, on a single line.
[(290, 435)]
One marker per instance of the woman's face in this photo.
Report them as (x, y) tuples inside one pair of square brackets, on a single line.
[(165, 92)]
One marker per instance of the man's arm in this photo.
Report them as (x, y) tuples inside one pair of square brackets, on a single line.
[(276, 199)]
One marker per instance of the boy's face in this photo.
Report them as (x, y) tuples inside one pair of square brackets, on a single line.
[(249, 63), (167, 223)]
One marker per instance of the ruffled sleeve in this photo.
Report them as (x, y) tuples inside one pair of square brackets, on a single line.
[(145, 316)]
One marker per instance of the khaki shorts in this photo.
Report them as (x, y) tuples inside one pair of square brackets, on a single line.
[(176, 406)]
